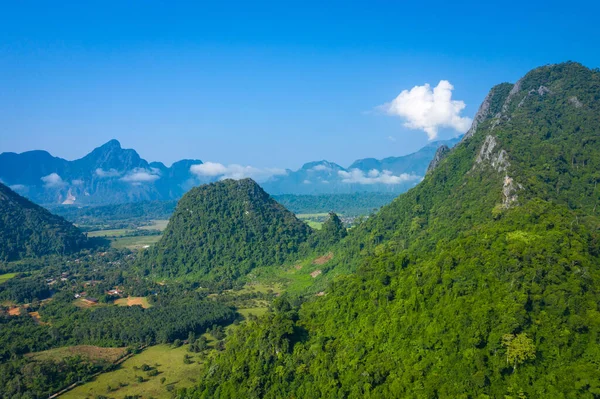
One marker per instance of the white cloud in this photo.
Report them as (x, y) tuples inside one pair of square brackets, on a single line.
[(307, 182), (107, 173), (320, 168), (53, 180), (234, 171), (392, 139), (18, 187), (374, 177), (77, 182), (140, 175), (429, 109), (211, 169)]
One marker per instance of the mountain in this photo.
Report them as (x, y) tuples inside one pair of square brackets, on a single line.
[(107, 175), (412, 164), (221, 231), (28, 230), (112, 175), (481, 282), (390, 175)]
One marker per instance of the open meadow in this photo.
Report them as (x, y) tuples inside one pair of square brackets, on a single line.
[(165, 371)]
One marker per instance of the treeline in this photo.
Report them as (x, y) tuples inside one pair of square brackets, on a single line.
[(25, 379), (356, 204), (117, 216), (167, 320)]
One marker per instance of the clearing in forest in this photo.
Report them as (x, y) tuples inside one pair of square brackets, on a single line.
[(134, 301), (93, 353), (323, 259), (130, 379), (6, 277)]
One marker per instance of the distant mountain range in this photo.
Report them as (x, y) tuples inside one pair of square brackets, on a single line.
[(393, 174), (111, 174)]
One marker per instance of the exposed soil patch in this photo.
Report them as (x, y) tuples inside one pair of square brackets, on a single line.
[(133, 301), (315, 273), (14, 311), (323, 259), (94, 353)]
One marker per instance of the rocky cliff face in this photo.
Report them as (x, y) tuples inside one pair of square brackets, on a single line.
[(440, 154)]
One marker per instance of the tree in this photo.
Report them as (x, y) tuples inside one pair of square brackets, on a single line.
[(519, 349)]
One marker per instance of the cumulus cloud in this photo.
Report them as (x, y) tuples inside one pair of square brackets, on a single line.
[(77, 182), (427, 109), (375, 176), (107, 173), (140, 175), (53, 180), (234, 171)]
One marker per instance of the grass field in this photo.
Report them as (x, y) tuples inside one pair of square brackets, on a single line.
[(133, 301), (303, 216), (157, 224), (258, 311), (6, 276), (81, 303), (109, 233), (314, 220), (134, 242), (123, 381), (314, 225), (84, 351)]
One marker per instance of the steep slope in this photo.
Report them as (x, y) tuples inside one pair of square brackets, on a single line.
[(29, 230), (222, 230), (480, 282)]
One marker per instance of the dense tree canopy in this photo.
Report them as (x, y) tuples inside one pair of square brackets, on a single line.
[(220, 231), (28, 230)]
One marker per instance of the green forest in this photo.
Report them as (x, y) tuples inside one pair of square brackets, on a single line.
[(480, 282)]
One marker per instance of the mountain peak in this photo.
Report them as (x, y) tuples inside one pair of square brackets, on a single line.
[(322, 165), (228, 211), (111, 144)]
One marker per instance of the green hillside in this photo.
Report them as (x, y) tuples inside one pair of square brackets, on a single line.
[(28, 230), (481, 282), (221, 231)]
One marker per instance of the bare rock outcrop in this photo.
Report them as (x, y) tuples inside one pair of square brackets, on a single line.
[(490, 154), (441, 153)]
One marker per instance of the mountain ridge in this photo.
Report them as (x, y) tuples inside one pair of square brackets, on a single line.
[(482, 281), (110, 174), (28, 230)]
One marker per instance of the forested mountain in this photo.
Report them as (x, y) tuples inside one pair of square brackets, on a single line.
[(481, 282), (112, 175), (221, 231), (27, 229)]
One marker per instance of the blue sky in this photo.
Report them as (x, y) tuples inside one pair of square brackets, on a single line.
[(268, 84)]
